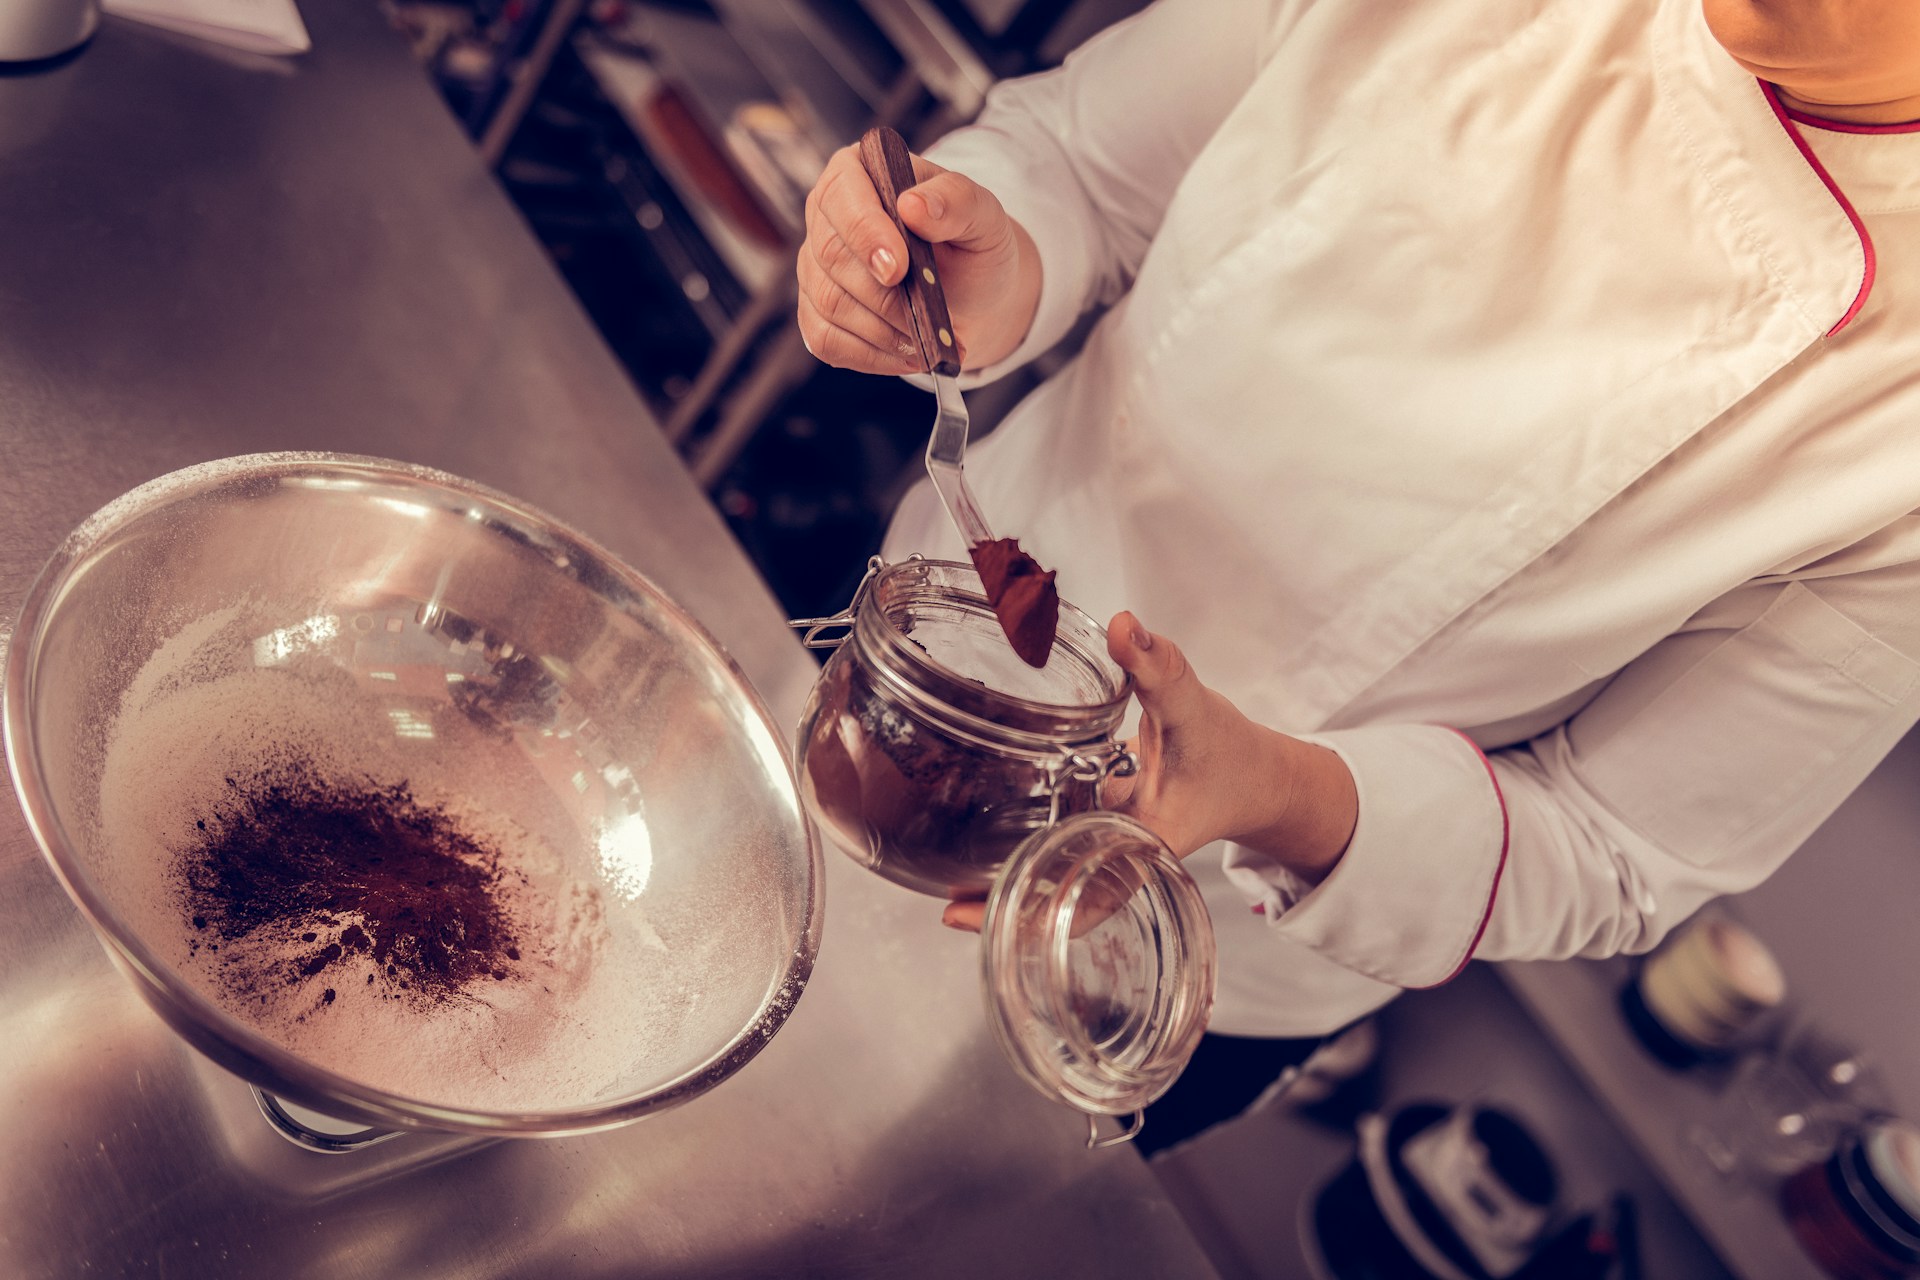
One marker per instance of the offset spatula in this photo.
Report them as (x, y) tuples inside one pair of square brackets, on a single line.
[(1021, 593)]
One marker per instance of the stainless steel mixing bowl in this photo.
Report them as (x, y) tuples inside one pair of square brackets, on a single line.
[(445, 636)]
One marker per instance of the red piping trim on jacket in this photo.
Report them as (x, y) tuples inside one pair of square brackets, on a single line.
[(1506, 836), (1833, 188), (1847, 126)]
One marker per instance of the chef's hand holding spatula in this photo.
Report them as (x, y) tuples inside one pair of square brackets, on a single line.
[(1021, 593), (852, 312)]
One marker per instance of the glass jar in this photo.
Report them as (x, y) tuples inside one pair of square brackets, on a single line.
[(933, 756), (929, 751), (1769, 1120)]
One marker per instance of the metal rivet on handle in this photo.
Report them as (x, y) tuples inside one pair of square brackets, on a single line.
[(946, 339)]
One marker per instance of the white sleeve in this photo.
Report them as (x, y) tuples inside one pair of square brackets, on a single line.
[(1087, 156), (1694, 773)]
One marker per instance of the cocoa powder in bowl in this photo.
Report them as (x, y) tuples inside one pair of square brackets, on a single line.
[(358, 867)]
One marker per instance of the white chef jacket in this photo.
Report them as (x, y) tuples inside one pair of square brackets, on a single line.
[(1479, 376)]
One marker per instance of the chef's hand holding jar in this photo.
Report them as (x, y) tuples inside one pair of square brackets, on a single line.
[(1506, 408), (1206, 772)]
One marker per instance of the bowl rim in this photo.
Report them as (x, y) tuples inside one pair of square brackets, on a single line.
[(234, 1044)]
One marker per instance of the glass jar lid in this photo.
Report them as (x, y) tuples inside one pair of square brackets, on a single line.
[(1098, 962)]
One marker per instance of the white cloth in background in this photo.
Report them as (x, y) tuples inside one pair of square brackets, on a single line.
[(1469, 365), (257, 26)]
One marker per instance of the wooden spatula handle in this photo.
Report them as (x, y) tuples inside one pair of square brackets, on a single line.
[(888, 162)]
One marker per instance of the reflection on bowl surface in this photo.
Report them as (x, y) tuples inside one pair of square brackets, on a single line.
[(394, 793)]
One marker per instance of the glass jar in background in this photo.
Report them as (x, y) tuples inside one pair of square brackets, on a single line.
[(1846, 1077), (1769, 1120), (935, 757), (1787, 1105), (1857, 1213)]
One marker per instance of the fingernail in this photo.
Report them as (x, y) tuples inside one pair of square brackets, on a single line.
[(882, 265), (1142, 638), (946, 918), (936, 207)]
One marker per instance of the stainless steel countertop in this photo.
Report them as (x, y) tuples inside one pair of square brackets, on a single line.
[(205, 254)]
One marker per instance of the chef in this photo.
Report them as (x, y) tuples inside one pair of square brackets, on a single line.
[(1512, 410)]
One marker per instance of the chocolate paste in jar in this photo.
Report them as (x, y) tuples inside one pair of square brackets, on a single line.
[(929, 812)]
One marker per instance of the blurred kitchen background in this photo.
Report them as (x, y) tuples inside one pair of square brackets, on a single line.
[(662, 152)]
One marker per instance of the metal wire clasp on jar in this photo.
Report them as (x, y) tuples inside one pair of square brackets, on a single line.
[(935, 757)]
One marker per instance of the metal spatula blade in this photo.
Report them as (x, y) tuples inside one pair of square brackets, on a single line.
[(946, 463)]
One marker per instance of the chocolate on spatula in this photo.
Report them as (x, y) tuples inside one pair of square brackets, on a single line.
[(1022, 595)]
